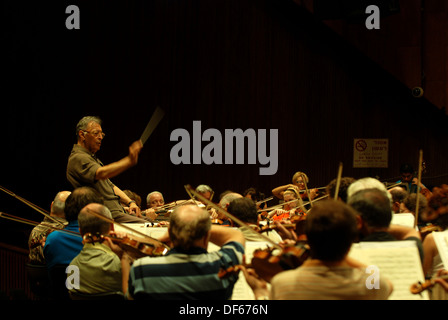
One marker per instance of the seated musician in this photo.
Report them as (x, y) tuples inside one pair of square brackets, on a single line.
[(154, 200), (290, 207), (410, 182), (224, 203), (205, 191), (61, 246), (37, 236), (246, 210), (299, 179), (374, 208), (409, 204), (438, 207), (344, 183), (98, 262), (331, 228), (189, 270)]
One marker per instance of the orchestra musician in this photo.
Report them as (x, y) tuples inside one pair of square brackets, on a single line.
[(205, 191), (399, 193), (344, 183), (39, 233), (61, 247), (99, 262), (290, 207), (373, 204), (329, 274), (224, 203), (246, 211), (299, 182), (438, 207), (154, 200), (410, 182), (85, 169), (190, 231)]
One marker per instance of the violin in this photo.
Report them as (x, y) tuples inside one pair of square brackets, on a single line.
[(420, 287), (267, 264), (145, 245), (425, 230), (137, 247)]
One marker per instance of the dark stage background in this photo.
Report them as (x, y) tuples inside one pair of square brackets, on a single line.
[(261, 64)]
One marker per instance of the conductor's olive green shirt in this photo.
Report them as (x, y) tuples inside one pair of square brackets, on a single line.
[(81, 171)]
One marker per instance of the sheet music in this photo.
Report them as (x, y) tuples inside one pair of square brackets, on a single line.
[(399, 261), (153, 232), (441, 239), (403, 219)]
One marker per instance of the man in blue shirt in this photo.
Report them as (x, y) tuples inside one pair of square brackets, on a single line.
[(61, 246)]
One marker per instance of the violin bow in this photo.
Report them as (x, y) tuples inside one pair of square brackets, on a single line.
[(190, 190), (278, 206), (338, 181), (306, 189), (419, 178), (31, 205), (11, 217), (98, 215), (264, 200)]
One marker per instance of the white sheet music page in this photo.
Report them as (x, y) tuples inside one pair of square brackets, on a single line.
[(399, 261), (441, 240), (403, 219)]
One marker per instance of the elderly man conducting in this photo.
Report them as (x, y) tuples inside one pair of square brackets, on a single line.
[(85, 169)]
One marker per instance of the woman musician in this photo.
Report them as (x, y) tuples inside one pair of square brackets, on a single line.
[(299, 183), (293, 205)]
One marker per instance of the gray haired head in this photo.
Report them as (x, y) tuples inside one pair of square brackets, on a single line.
[(203, 188), (84, 123)]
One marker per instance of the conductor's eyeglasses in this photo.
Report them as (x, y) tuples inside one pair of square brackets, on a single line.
[(96, 133)]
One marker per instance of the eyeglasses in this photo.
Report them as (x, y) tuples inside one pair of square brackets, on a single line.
[(96, 133)]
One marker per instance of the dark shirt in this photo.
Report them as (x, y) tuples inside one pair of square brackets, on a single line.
[(81, 171)]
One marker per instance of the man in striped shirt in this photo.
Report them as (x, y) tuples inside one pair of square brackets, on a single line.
[(188, 270)]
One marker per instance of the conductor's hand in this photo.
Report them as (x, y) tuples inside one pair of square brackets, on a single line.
[(134, 151)]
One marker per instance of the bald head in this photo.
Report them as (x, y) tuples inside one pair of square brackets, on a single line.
[(188, 224), (91, 223), (229, 197), (58, 204)]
